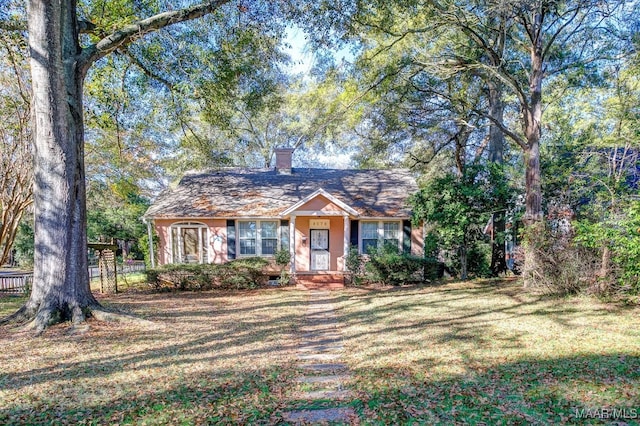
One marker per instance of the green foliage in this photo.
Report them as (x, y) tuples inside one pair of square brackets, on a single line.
[(459, 207), (621, 235), (355, 265), (245, 273), (114, 211), (282, 257), (389, 266), (24, 244)]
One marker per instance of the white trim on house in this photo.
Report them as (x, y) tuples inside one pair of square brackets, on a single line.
[(204, 247), (315, 194), (318, 213)]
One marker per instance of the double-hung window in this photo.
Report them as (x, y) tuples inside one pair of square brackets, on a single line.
[(258, 237), (269, 237), (374, 234), (247, 237), (369, 237), (391, 233)]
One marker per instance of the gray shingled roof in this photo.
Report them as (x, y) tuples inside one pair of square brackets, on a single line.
[(266, 193)]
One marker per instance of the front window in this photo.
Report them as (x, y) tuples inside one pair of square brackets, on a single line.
[(189, 243), (269, 236), (391, 233), (247, 236), (369, 237), (374, 234), (258, 238)]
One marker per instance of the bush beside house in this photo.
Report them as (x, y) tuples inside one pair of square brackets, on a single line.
[(246, 273), (389, 266)]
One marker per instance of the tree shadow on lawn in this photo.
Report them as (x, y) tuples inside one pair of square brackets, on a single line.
[(163, 305), (530, 391), (210, 335), (511, 302), (242, 397)]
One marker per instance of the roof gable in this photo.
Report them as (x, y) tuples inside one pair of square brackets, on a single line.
[(318, 194)]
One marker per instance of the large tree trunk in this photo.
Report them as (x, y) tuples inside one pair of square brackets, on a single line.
[(58, 65), (61, 281), (532, 129), (496, 155), (496, 112)]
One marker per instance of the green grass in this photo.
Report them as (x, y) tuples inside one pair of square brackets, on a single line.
[(488, 353), (463, 353)]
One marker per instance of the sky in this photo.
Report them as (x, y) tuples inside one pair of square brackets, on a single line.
[(301, 57)]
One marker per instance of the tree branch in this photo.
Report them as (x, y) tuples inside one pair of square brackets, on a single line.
[(132, 32)]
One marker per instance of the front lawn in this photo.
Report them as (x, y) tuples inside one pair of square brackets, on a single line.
[(465, 353), (486, 353), (211, 358)]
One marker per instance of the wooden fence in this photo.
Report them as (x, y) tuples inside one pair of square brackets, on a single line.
[(20, 282), (15, 282)]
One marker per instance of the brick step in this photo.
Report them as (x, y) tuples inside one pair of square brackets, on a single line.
[(320, 281), (305, 285), (320, 278)]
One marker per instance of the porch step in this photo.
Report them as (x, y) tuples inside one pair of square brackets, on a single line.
[(320, 281)]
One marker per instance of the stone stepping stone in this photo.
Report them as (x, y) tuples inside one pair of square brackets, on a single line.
[(320, 332), (332, 378), (319, 357), (324, 394), (339, 414), (321, 341), (323, 367), (320, 321), (321, 348)]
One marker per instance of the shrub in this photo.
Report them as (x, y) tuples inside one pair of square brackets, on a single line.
[(246, 273), (617, 242), (556, 264), (282, 258), (389, 266), (355, 265)]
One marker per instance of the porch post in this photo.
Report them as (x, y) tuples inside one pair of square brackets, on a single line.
[(292, 243), (347, 234), (152, 258)]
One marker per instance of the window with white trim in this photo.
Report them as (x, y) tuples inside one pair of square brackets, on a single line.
[(374, 234), (257, 237), (189, 242)]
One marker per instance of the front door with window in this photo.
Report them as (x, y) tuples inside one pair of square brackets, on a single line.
[(320, 259)]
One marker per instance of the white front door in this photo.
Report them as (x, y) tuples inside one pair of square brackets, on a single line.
[(320, 259)]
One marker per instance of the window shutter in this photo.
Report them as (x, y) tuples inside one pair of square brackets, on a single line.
[(406, 237), (231, 239), (353, 240), (284, 235)]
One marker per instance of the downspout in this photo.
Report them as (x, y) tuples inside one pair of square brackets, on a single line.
[(152, 258)]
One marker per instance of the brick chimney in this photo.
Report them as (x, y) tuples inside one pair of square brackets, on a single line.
[(283, 160)]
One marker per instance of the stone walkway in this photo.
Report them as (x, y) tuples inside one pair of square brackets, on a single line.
[(323, 397)]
